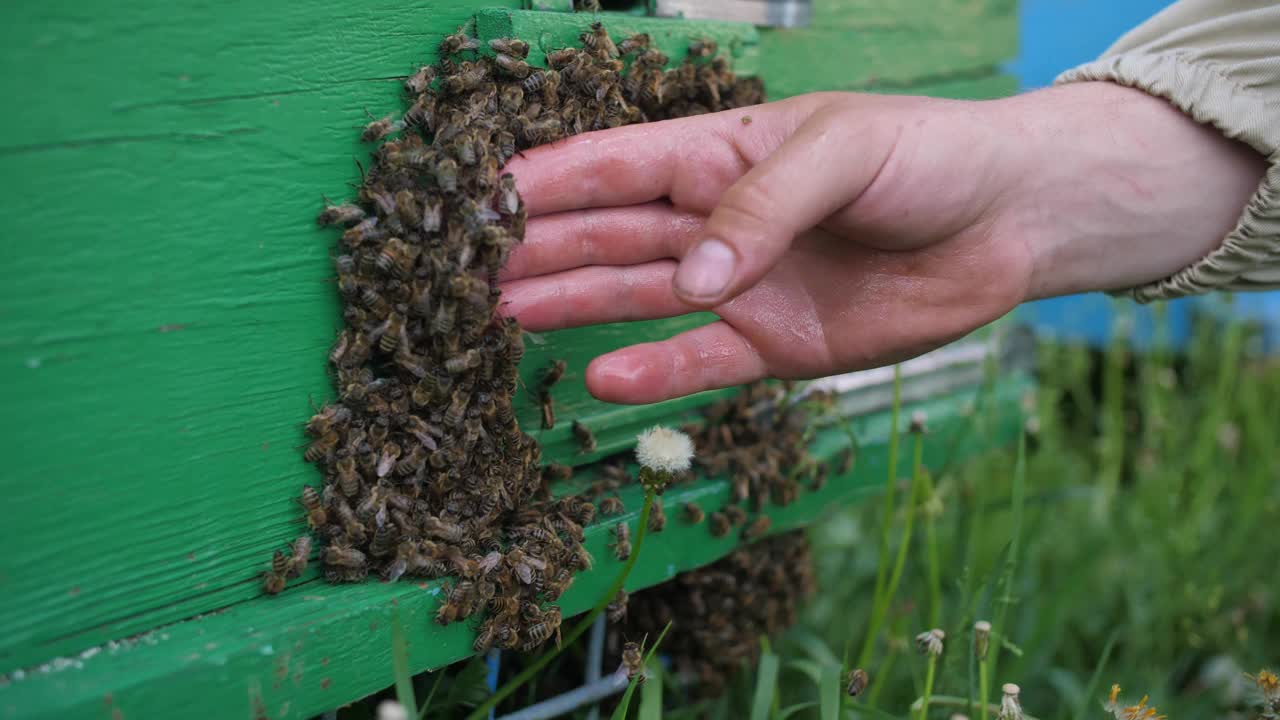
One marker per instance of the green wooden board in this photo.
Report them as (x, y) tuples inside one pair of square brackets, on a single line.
[(317, 646), (167, 301)]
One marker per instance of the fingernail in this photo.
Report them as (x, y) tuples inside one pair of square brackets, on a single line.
[(706, 271)]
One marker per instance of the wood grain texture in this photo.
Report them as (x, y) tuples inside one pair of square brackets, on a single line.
[(317, 646), (167, 300)]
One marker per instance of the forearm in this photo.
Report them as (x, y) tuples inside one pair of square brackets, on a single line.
[(1115, 188)]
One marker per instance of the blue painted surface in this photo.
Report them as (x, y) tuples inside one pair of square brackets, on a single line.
[(1057, 35)]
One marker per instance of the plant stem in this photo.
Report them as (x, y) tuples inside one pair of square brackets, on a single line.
[(886, 523), (932, 565), (928, 685), (536, 666), (984, 685)]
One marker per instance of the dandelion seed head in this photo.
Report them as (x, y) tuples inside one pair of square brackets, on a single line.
[(662, 449), (930, 642), (392, 710), (1010, 708)]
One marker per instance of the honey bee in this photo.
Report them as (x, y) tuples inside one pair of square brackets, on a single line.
[(617, 608), (586, 439), (314, 506), (702, 48), (510, 46), (719, 523), (301, 553), (735, 514), (456, 43), (599, 41), (443, 321), (348, 477), (432, 215), (548, 410), (332, 417), (345, 214), (344, 556), (542, 630), (633, 661), (418, 82), (541, 131), (365, 231), (557, 471), (622, 541), (635, 43), (375, 302), (757, 528), (858, 682), (378, 129), (323, 447), (611, 506), (693, 513), (657, 516), (486, 637), (468, 77), (397, 257), (387, 460), (273, 583), (513, 66), (446, 175), (433, 526), (559, 59)]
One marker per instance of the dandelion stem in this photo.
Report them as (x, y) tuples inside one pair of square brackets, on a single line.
[(536, 666), (984, 687), (928, 686)]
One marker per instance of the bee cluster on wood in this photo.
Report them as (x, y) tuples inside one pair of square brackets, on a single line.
[(427, 472), (718, 613)]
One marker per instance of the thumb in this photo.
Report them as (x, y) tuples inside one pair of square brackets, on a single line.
[(805, 180)]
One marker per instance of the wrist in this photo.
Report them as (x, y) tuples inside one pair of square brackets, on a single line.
[(1115, 188)]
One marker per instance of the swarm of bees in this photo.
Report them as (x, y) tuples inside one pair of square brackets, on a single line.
[(719, 612), (757, 439), (427, 473)]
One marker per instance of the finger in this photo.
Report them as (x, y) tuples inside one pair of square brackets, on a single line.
[(712, 356), (608, 236), (593, 295), (690, 159), (807, 179)]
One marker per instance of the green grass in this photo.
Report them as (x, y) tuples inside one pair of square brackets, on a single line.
[(1132, 542)]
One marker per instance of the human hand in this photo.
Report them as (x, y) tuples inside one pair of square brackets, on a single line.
[(839, 231)]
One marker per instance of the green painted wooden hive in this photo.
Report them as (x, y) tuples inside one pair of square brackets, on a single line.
[(167, 304)]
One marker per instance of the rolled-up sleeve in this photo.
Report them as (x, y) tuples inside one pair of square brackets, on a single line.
[(1219, 62)]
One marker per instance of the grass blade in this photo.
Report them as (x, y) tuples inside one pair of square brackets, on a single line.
[(651, 693), (1082, 709), (766, 685), (829, 693), (426, 704), (790, 710)]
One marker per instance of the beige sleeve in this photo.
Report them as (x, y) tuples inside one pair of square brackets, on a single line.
[(1219, 62)]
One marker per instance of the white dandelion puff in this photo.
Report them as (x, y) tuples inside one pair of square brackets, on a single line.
[(1010, 708), (664, 450), (392, 710)]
